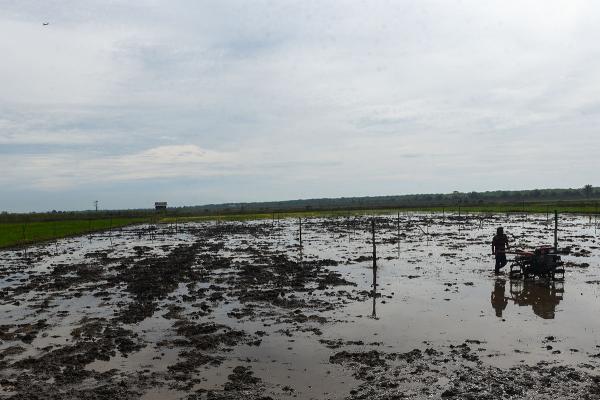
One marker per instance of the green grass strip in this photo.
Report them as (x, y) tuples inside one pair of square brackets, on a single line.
[(21, 233)]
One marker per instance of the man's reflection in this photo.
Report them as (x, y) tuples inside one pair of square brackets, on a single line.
[(542, 296), (499, 301)]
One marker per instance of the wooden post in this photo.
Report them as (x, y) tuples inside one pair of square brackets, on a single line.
[(374, 246), (110, 231), (398, 233), (374, 261), (55, 239), (348, 226), (300, 223), (374, 313), (555, 230), (23, 227)]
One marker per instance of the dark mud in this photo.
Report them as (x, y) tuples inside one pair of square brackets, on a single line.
[(240, 310), (458, 373)]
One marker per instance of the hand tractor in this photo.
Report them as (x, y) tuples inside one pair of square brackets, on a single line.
[(543, 262)]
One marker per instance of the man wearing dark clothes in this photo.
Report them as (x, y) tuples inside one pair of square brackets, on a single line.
[(499, 247)]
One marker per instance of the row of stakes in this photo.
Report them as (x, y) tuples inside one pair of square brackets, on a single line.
[(153, 229)]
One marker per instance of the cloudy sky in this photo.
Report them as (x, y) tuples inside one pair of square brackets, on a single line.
[(195, 102)]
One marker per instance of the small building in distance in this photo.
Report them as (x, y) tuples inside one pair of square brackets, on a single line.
[(160, 205)]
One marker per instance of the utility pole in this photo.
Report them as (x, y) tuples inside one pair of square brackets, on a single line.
[(96, 205)]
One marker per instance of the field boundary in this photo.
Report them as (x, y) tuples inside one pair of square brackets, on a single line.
[(16, 235)]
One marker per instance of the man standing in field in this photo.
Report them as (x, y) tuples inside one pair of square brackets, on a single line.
[(499, 247)]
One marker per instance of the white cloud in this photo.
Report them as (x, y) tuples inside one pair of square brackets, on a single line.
[(65, 171)]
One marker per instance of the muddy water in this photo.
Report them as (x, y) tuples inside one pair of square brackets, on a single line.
[(435, 289)]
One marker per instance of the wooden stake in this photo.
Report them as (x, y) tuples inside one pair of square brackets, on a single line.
[(55, 239), (374, 313), (374, 246), (398, 233), (23, 227), (300, 223), (555, 230), (348, 226)]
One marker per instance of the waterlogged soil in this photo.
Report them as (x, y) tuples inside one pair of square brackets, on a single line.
[(244, 310)]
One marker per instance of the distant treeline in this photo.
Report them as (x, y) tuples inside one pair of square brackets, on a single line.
[(586, 194), (453, 199)]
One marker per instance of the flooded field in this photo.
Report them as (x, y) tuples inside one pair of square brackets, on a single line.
[(235, 310)]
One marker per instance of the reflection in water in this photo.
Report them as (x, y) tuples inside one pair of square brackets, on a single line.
[(374, 293), (542, 296), (499, 301)]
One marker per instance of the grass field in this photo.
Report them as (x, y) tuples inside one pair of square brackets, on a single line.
[(20, 233)]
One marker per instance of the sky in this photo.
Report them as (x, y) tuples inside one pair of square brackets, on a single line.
[(197, 102)]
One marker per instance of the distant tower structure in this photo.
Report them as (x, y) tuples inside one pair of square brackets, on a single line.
[(96, 204), (160, 205)]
